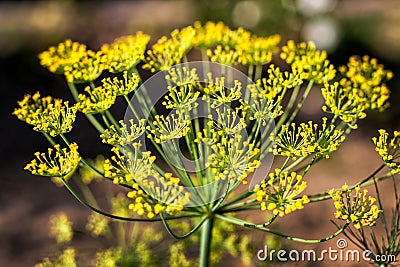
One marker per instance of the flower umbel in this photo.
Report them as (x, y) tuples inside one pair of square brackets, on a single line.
[(98, 100), (123, 135), (58, 162), (61, 228), (46, 114), (388, 150), (358, 209), (278, 193)]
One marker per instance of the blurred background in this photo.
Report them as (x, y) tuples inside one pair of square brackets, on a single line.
[(343, 28)]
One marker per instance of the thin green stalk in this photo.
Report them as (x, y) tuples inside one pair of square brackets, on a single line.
[(50, 139), (292, 100), (92, 119), (205, 241), (262, 228), (301, 102), (169, 230), (111, 118), (83, 202)]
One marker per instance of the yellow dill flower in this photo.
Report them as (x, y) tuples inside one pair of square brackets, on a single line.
[(87, 69), (182, 95), (228, 122), (119, 205), (125, 52), (232, 38), (258, 50), (327, 138), (108, 258), (304, 58), (97, 224), (222, 93), (88, 175), (278, 193), (344, 102), (167, 128), (61, 163), (177, 256), (98, 100), (157, 194), (233, 159), (61, 228), (122, 87), (388, 150), (184, 36), (368, 78), (294, 141), (131, 166), (123, 135), (223, 55), (65, 54), (356, 208), (48, 115), (181, 98), (66, 258), (278, 80), (209, 34), (181, 76), (307, 139), (164, 54)]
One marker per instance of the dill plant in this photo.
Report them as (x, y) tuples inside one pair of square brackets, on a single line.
[(230, 128)]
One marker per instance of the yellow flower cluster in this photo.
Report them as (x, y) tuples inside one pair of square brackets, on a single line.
[(108, 258), (131, 166), (228, 122), (388, 150), (294, 141), (307, 139), (74, 60), (58, 164), (221, 91), (343, 102), (122, 87), (164, 54), (357, 209), (209, 34), (167, 128), (158, 194), (278, 193), (97, 224), (257, 50), (233, 159), (123, 135), (125, 52), (67, 258), (368, 78), (222, 45), (45, 114), (98, 100), (61, 228), (181, 86), (65, 54), (305, 58), (152, 193)]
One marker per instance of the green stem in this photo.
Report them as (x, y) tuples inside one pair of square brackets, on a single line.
[(205, 242), (92, 119), (262, 228), (185, 235), (83, 202)]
